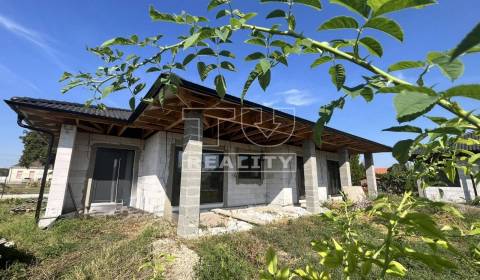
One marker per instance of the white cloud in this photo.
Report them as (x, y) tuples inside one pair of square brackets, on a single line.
[(270, 103), (9, 76), (33, 37), (297, 97)]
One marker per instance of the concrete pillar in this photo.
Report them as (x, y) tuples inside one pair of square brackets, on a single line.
[(189, 206), (58, 185), (344, 162), (370, 174), (311, 176)]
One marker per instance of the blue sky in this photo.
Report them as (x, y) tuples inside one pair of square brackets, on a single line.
[(41, 39)]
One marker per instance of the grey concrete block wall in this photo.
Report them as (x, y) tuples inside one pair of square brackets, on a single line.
[(189, 205), (281, 183), (370, 175), (153, 172), (344, 162), (311, 176), (322, 174), (58, 185)]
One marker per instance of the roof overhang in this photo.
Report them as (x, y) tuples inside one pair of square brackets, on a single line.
[(225, 119)]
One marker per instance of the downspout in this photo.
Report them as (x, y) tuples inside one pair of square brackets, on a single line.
[(47, 163)]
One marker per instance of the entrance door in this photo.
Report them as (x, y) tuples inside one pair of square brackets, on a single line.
[(112, 176), (333, 174), (211, 187), (300, 179)]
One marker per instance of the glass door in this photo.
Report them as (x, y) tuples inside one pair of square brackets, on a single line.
[(112, 176), (211, 187), (333, 176)]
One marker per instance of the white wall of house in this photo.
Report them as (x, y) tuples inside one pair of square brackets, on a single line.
[(463, 193), (21, 175), (155, 157)]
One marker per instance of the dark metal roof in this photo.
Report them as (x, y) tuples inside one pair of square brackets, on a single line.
[(70, 107)]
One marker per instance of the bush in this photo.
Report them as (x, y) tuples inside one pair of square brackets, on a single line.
[(398, 180)]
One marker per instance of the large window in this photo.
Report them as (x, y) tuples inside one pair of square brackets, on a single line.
[(249, 166)]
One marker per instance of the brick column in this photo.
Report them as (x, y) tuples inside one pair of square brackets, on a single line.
[(344, 162), (311, 176), (370, 174), (59, 181), (189, 206)]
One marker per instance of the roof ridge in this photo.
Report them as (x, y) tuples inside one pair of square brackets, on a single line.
[(62, 102)]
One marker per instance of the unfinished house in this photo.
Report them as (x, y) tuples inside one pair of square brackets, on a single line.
[(195, 152)]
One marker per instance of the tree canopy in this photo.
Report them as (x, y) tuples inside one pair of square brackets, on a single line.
[(35, 148)]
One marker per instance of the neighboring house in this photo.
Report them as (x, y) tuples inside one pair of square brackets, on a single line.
[(3, 175), (195, 151), (460, 191), (24, 175)]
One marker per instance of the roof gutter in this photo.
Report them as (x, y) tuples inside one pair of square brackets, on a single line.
[(45, 169)]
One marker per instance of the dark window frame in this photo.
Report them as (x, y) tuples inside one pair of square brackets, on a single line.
[(250, 174)]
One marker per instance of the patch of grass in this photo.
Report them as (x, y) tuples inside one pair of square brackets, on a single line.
[(83, 248), (292, 239), (21, 189)]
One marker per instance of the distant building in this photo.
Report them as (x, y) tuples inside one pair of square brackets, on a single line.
[(23, 175)]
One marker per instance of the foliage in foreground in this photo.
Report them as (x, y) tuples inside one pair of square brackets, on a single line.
[(357, 257), (399, 179)]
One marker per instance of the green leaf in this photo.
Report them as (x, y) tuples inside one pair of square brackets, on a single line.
[(339, 22), (251, 78), (227, 65), (311, 3), (451, 69), (396, 269), (367, 94), (470, 41), (107, 90), (410, 104), (265, 65), (404, 128), (470, 91), (157, 16), (403, 65), (291, 22), (223, 35), (447, 130), (256, 41), (386, 25), (204, 69), (358, 6), (65, 76), (226, 54), (272, 261), (138, 88), (191, 40), (337, 73), (276, 14), (264, 79), (254, 56), (372, 45), (401, 88), (220, 86), (206, 51), (401, 150), (117, 41), (131, 102), (222, 13), (396, 5), (215, 3), (188, 59), (320, 60)]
